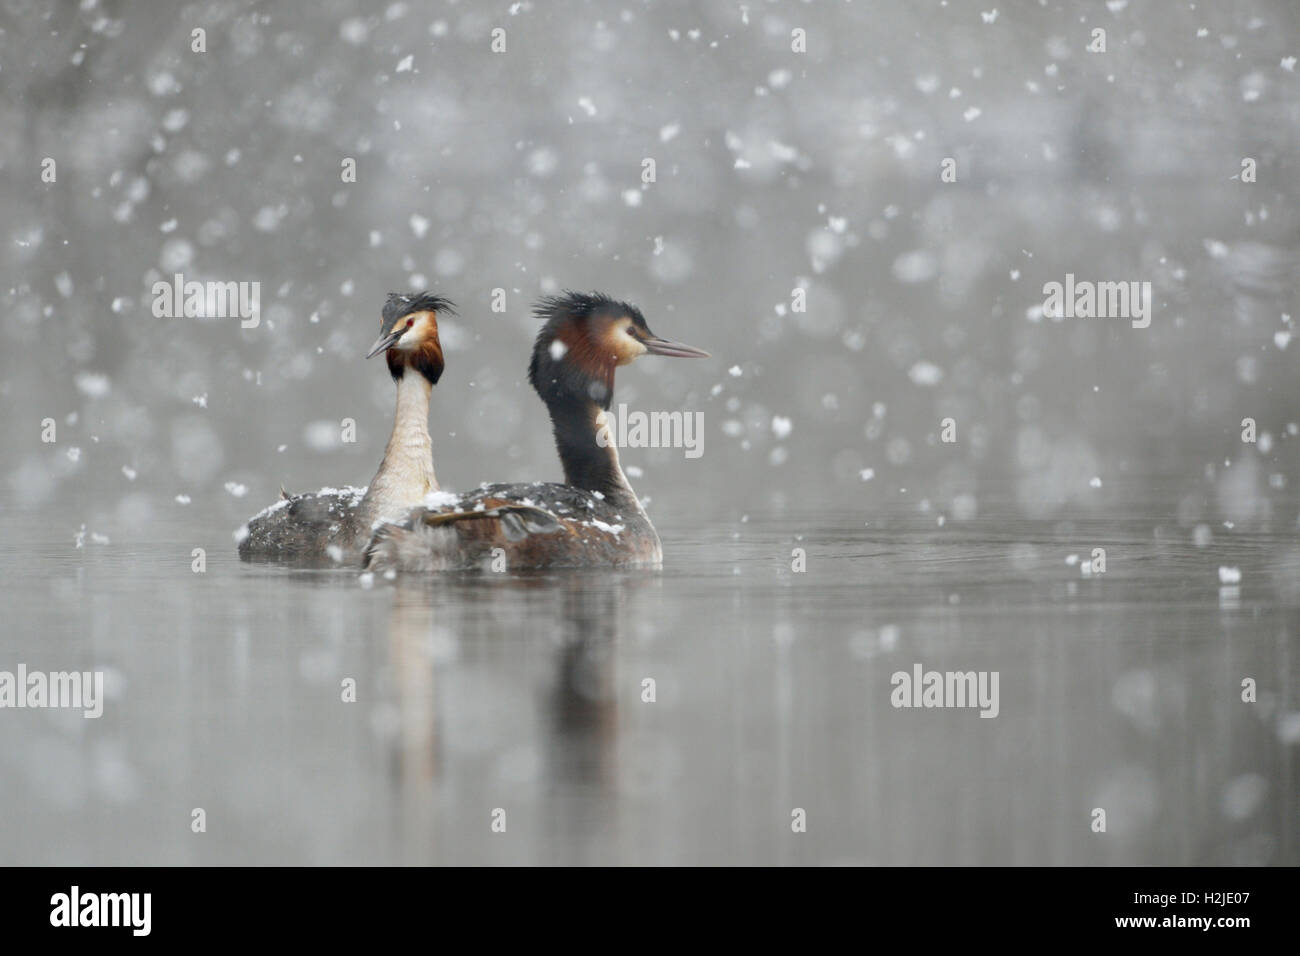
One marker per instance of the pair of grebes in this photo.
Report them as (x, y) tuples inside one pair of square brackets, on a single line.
[(403, 522)]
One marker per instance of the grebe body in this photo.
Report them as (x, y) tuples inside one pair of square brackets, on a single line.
[(594, 519), (336, 523)]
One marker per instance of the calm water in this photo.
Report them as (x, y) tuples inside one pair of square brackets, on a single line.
[(1120, 691), (778, 172)]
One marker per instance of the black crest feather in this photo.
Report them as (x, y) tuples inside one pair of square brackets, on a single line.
[(579, 371), (402, 304)]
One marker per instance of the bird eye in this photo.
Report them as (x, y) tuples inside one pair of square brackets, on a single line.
[(410, 322)]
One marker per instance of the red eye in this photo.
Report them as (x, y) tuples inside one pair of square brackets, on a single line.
[(410, 322)]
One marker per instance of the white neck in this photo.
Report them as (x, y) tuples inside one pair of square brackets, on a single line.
[(616, 468), (405, 475)]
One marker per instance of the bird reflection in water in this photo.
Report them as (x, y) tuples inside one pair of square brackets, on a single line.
[(465, 701)]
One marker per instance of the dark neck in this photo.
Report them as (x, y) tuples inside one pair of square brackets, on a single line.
[(587, 464)]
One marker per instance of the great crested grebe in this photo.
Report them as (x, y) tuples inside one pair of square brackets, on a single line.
[(592, 520), (338, 522)]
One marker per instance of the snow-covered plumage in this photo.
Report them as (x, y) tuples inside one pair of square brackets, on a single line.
[(595, 518), (335, 524)]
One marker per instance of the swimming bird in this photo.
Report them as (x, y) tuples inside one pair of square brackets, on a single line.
[(594, 519), (337, 522)]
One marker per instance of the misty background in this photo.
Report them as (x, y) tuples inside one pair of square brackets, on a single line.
[(775, 171)]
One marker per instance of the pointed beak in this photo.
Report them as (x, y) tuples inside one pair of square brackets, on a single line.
[(386, 342), (657, 346)]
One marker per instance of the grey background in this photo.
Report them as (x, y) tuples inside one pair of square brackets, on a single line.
[(1113, 166), (774, 170)]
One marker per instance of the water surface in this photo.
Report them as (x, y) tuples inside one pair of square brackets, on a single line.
[(481, 692)]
